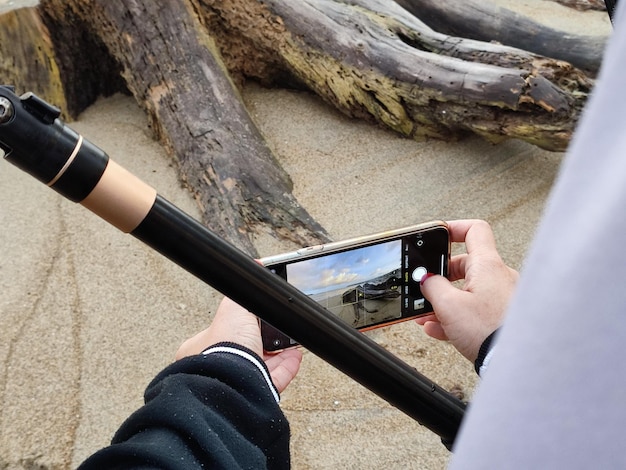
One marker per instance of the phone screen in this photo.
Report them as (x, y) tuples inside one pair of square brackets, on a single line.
[(374, 284)]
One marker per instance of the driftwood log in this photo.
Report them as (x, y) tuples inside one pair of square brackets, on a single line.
[(484, 21), (171, 66), (371, 59)]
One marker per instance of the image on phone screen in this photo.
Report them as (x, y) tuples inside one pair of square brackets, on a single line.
[(362, 287)]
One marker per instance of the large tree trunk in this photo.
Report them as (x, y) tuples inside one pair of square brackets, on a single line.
[(372, 59), (172, 67)]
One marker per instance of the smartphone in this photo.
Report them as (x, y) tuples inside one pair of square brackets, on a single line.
[(369, 281)]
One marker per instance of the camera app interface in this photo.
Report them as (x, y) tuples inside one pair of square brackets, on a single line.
[(369, 285)]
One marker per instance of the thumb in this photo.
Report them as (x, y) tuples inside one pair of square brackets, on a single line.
[(457, 320), (436, 289), (284, 366), (440, 292)]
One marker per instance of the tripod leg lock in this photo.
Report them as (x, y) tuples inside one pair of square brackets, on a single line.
[(34, 139)]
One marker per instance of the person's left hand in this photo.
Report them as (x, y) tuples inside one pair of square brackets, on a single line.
[(232, 323)]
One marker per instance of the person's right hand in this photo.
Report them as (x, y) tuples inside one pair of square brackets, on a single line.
[(466, 316)]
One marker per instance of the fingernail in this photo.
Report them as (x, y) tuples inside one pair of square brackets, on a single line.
[(424, 277)]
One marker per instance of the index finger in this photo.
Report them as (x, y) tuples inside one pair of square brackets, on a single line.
[(476, 234)]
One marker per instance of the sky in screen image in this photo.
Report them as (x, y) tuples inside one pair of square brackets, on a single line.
[(345, 269)]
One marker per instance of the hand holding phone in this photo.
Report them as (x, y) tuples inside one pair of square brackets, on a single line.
[(368, 282)]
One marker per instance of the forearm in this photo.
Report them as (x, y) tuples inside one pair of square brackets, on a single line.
[(217, 410)]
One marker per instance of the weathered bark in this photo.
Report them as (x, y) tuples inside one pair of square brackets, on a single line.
[(68, 68), (173, 69), (372, 58), (484, 21), (26, 55)]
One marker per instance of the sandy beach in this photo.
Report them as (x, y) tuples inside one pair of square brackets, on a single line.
[(88, 315)]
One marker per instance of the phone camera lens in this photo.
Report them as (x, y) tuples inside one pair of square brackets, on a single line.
[(420, 242), (276, 342)]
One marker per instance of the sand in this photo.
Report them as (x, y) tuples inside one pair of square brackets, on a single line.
[(89, 315)]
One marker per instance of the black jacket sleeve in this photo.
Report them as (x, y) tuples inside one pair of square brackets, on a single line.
[(216, 410), (484, 353)]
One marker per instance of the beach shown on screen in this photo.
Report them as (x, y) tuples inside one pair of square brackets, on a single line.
[(362, 286)]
